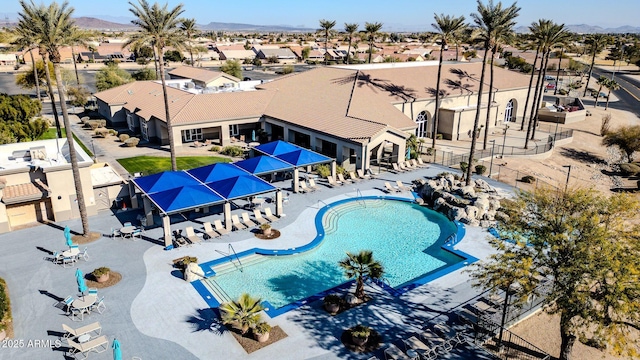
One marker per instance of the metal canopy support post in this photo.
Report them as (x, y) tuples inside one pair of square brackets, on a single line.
[(148, 212), (279, 208), (333, 169), (227, 216), (166, 227), (296, 180)]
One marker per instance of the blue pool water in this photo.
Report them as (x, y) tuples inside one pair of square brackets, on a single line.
[(405, 237)]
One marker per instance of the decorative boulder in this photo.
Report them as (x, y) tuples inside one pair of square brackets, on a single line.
[(193, 272), (472, 211), (351, 299), (494, 204), (468, 192), (500, 216), (483, 204), (439, 203), (484, 186), (456, 213)]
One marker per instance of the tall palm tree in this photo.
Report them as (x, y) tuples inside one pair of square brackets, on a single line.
[(159, 28), (611, 85), (371, 29), (242, 313), (188, 27), (77, 37), (597, 42), (26, 41), (360, 265), (488, 19), (601, 82), (350, 29), (533, 74), (552, 34), (446, 26), (325, 27), (51, 26)]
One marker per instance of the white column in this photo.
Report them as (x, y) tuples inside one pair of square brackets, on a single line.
[(279, 208), (132, 195), (166, 226), (227, 216), (333, 169), (296, 180), (148, 213)]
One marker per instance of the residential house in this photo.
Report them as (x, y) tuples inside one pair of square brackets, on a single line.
[(284, 55), (204, 78)]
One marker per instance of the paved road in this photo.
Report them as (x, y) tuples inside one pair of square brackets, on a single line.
[(628, 94)]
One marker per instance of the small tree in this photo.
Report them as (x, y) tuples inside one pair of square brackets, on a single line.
[(111, 76), (606, 125), (233, 68), (359, 266), (78, 96), (144, 74), (173, 55), (627, 138), (242, 313)]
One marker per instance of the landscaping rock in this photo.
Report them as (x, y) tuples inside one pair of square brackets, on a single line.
[(351, 299), (193, 272), (468, 192)]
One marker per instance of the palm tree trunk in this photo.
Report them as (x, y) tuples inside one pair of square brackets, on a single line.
[(456, 51), (359, 288), (593, 61), (191, 55), (435, 113), (595, 103), (348, 52), (172, 149), (72, 155), (526, 103), (537, 107), (35, 75), (370, 50), (155, 62), (555, 91), (606, 106), (477, 119), (51, 95), (489, 101), (75, 65), (535, 102), (326, 41)]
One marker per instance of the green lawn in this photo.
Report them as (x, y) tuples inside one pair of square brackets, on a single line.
[(152, 164), (52, 134)]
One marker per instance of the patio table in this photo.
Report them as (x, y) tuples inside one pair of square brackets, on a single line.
[(127, 231), (83, 304), (73, 252), (84, 338)]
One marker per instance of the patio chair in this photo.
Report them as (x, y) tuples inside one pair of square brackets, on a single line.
[(219, 228), (56, 258), (92, 291), (258, 215), (404, 166), (401, 186), (98, 345), (197, 144), (137, 233), (247, 221), (390, 188), (191, 235), (342, 179), (84, 255), (303, 187), (415, 164), (372, 174), (453, 337), (69, 332), (426, 352), (332, 181), (127, 223), (269, 215), (393, 352), (422, 163), (115, 233), (362, 175), (236, 223), (68, 260), (397, 168), (66, 304), (76, 314), (353, 177), (435, 341), (312, 185), (99, 306), (212, 234)]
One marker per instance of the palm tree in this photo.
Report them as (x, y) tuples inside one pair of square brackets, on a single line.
[(552, 34), (446, 26), (242, 313), (188, 27), (52, 26), (77, 37), (612, 85), (487, 20), (325, 27), (360, 265), (26, 41), (533, 74), (159, 28), (597, 43), (602, 82), (371, 29), (350, 29)]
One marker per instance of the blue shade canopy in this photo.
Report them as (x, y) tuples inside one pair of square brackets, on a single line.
[(82, 285), (263, 165), (303, 157), (117, 353), (241, 187), (277, 147), (216, 172), (164, 181), (185, 197)]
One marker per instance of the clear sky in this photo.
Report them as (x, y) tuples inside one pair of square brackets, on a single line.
[(396, 15)]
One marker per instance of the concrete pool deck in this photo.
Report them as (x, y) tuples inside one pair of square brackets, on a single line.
[(155, 314)]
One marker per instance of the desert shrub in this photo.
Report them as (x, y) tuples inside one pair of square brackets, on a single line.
[(182, 263), (100, 271), (341, 170), (132, 142), (630, 169), (113, 132), (323, 170), (215, 148), (4, 303), (606, 125), (261, 328), (333, 299), (528, 179), (464, 166), (92, 124), (123, 137), (480, 169), (233, 151), (101, 132), (563, 92), (439, 137), (84, 119)]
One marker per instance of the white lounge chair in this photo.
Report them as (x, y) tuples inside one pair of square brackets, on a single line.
[(219, 228), (362, 175), (426, 352), (422, 163), (372, 174), (404, 166), (87, 329), (258, 215), (453, 337), (353, 177), (332, 181), (97, 345), (390, 188), (209, 231), (393, 352), (401, 186), (312, 185), (304, 187), (247, 221), (191, 235), (435, 341), (269, 215), (342, 179), (397, 168), (236, 223)]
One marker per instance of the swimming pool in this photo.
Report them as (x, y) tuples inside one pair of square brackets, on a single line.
[(405, 237)]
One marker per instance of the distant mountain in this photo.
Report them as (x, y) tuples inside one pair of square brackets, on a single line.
[(589, 29), (250, 27), (98, 24)]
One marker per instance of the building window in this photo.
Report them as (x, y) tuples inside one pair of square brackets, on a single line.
[(233, 130), (191, 135), (144, 125), (130, 123), (508, 111), (422, 121)]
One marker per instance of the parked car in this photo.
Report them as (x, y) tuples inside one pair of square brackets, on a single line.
[(550, 86), (549, 77), (602, 94)]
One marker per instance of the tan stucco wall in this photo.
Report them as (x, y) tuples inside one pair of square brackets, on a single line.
[(221, 81), (61, 185)]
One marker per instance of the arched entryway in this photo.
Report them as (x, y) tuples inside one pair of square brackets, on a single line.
[(510, 111), (424, 124)]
